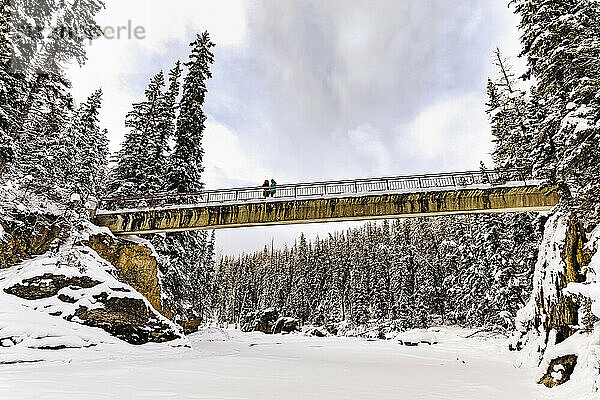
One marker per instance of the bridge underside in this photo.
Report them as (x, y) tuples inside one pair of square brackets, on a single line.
[(436, 203)]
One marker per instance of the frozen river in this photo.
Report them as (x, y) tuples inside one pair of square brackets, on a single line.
[(232, 365)]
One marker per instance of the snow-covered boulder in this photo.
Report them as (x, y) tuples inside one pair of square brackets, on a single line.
[(286, 325), (78, 286), (559, 371), (316, 332), (416, 336), (261, 321)]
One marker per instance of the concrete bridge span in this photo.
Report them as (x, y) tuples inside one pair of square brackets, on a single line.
[(377, 198)]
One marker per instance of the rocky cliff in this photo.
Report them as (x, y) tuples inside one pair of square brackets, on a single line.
[(85, 277), (135, 264), (552, 326)]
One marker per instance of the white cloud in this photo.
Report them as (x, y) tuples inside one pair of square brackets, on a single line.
[(452, 133), (119, 65), (227, 161), (369, 142)]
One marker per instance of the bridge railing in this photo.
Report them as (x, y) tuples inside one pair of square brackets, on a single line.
[(356, 187)]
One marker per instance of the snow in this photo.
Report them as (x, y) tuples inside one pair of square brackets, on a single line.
[(417, 336), (14, 198), (75, 197), (578, 118), (228, 364)]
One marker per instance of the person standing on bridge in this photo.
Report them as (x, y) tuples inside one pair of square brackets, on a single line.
[(266, 190), (273, 187)]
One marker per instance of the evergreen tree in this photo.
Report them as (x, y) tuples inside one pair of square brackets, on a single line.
[(135, 170), (185, 168), (41, 59), (89, 153), (453, 270), (166, 117), (560, 42), (507, 109)]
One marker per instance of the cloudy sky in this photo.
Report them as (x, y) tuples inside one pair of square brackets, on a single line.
[(312, 89)]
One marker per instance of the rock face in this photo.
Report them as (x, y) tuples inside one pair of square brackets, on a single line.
[(561, 261), (286, 325), (129, 319), (316, 332), (553, 315), (559, 371), (25, 236), (134, 264), (77, 285), (48, 285), (268, 321), (190, 324), (261, 321)]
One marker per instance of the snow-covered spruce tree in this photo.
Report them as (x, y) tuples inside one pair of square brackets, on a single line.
[(40, 59), (7, 87), (144, 155), (560, 41), (134, 172), (182, 253), (89, 152), (38, 105), (379, 268), (508, 113), (165, 112), (43, 144), (437, 272), (185, 168), (298, 295)]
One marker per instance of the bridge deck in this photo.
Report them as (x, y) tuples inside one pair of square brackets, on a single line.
[(423, 195)]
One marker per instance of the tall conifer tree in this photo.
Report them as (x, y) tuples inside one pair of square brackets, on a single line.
[(185, 168)]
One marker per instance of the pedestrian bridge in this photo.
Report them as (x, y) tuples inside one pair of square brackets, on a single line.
[(485, 191)]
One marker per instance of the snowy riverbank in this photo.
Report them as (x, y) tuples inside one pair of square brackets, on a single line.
[(233, 365)]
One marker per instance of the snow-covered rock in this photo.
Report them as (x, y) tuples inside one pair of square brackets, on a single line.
[(45, 299), (316, 331), (286, 325), (416, 336), (75, 197), (262, 321)]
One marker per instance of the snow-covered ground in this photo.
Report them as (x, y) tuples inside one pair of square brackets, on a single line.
[(233, 365)]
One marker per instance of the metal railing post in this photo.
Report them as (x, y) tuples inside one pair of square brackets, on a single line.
[(522, 176)]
